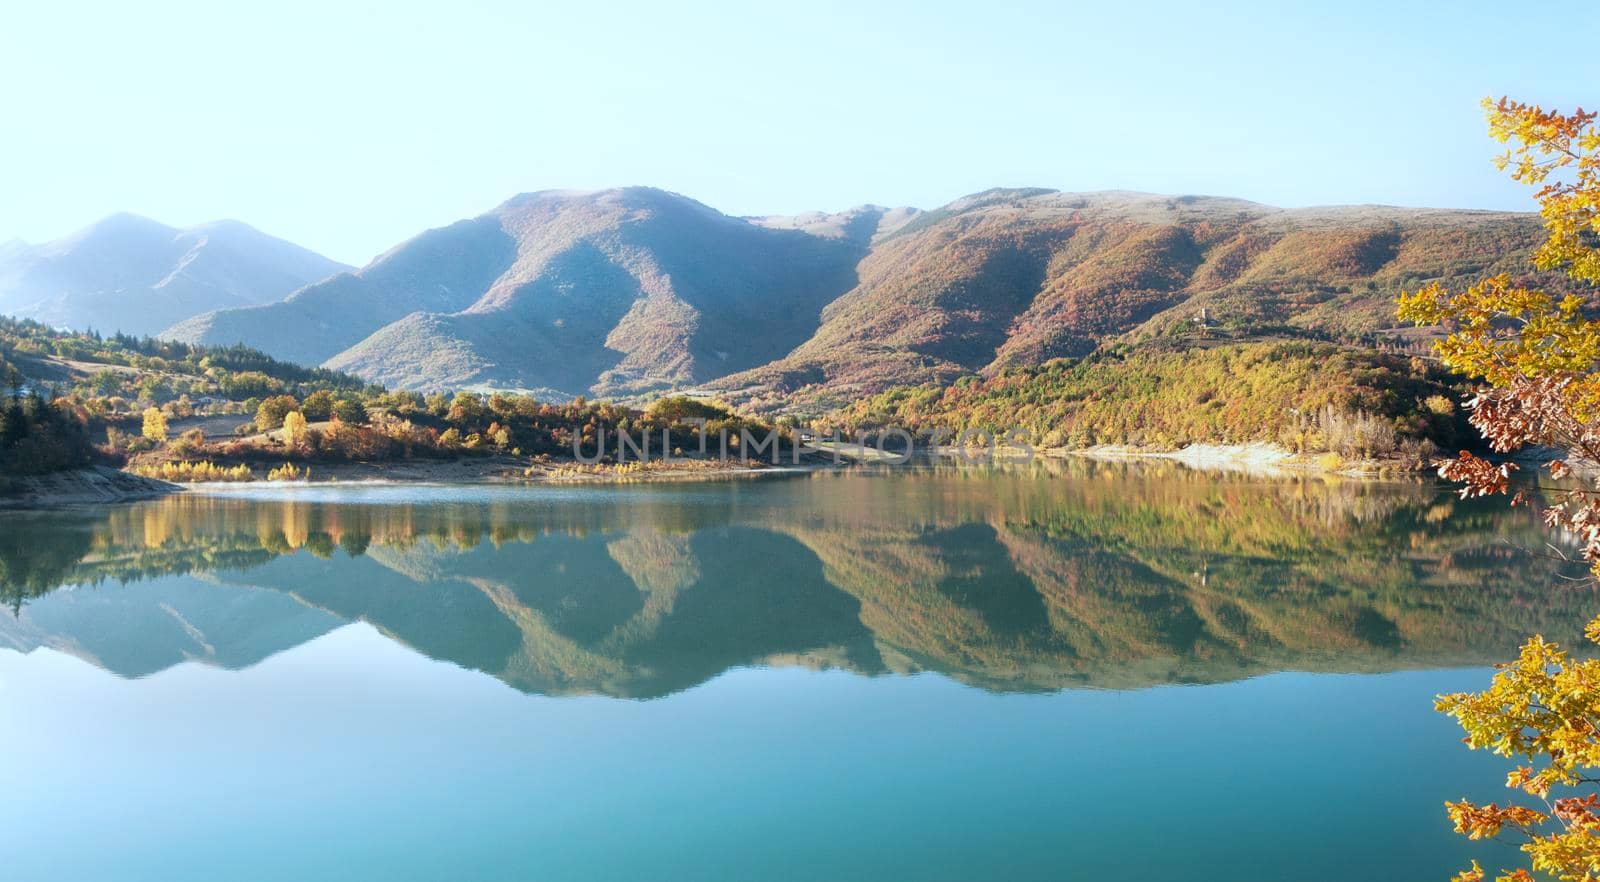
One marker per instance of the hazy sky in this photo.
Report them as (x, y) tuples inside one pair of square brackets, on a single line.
[(348, 127)]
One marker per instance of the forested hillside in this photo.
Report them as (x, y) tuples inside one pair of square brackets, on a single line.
[(1307, 397), (188, 413)]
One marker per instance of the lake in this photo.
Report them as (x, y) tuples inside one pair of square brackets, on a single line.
[(1071, 670)]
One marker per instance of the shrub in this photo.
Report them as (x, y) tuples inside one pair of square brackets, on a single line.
[(189, 443), (194, 472), (289, 472)]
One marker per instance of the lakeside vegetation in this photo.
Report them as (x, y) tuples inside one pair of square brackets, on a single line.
[(184, 413), (189, 413), (77, 399), (1309, 397)]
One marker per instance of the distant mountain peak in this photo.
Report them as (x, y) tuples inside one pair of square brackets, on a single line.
[(126, 220), (225, 225), (120, 229), (130, 273)]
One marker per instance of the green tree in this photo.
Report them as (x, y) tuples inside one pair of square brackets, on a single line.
[(155, 388), (350, 412), (318, 406)]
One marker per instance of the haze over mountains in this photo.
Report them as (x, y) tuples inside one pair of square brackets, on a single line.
[(129, 273), (637, 290)]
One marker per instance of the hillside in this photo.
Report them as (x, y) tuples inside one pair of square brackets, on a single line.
[(131, 274), (177, 412), (1016, 278), (1308, 397), (614, 292), (72, 400), (625, 292)]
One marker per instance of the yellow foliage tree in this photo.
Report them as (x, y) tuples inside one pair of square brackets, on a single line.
[(294, 428), (155, 425), (1538, 358)]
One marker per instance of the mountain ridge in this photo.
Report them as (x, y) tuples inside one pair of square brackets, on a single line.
[(635, 291), (628, 290)]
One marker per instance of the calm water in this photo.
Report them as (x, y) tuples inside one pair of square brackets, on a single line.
[(1065, 672)]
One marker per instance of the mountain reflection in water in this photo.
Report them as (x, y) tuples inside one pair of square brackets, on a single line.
[(1063, 574)]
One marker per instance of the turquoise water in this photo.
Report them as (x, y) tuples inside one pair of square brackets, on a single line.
[(1078, 672)]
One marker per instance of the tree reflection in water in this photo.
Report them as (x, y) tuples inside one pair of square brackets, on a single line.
[(1065, 573)]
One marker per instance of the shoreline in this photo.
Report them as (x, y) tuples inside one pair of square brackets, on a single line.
[(359, 477), (95, 485), (106, 485), (505, 472)]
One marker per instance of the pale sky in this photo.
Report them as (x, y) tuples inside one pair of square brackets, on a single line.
[(348, 127)]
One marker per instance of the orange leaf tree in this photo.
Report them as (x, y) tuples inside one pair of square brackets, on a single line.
[(1538, 359)]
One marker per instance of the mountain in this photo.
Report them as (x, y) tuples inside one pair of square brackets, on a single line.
[(1010, 278), (632, 291), (613, 292), (129, 273)]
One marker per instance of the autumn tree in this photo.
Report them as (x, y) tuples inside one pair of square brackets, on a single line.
[(1537, 357), (465, 409), (294, 429), (678, 408), (270, 414), (155, 425)]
